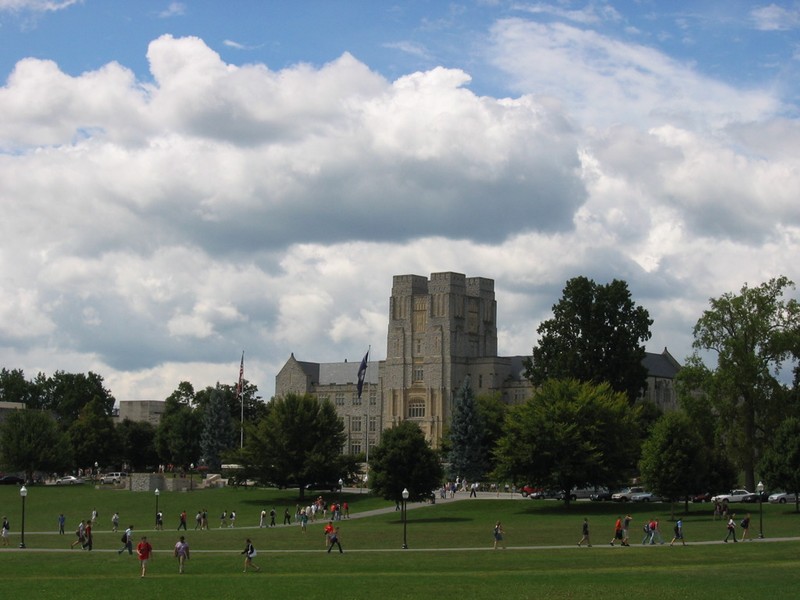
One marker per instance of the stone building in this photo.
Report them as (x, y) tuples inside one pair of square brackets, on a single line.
[(441, 330)]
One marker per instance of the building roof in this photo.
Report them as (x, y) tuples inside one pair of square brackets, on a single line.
[(346, 372), (661, 365)]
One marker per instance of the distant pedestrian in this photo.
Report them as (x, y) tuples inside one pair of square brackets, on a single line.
[(181, 552), (182, 520), (249, 554), (232, 519), (80, 532), (745, 524), (626, 523), (303, 520), (678, 533), (499, 537), (5, 531), (198, 520), (731, 528), (144, 550), (127, 541), (223, 519), (287, 517), (115, 522), (272, 517), (346, 509), (88, 539), (328, 532), (61, 521), (585, 533), (334, 539), (262, 519), (617, 531)]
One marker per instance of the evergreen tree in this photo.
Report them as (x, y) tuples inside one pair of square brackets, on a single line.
[(468, 456), (217, 434)]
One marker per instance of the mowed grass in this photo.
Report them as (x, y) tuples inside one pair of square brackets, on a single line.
[(449, 550)]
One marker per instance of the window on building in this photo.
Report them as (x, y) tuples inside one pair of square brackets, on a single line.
[(373, 397), (339, 398), (373, 424), (418, 346), (480, 381), (416, 410), (419, 373), (324, 398), (355, 424), (356, 399), (355, 447)]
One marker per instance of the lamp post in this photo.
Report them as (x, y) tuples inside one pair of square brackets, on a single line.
[(760, 490), (339, 512), (405, 517), (157, 493), (23, 492)]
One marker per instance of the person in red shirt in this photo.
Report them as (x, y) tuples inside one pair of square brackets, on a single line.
[(144, 550), (617, 531), (328, 531)]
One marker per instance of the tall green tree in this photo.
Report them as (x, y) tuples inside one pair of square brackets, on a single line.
[(405, 460), (467, 456), (780, 465), (218, 433), (15, 388), (137, 445), (596, 335), (65, 395), (570, 434), (178, 434), (30, 441), (298, 442), (674, 460), (752, 334), (93, 436), (493, 413)]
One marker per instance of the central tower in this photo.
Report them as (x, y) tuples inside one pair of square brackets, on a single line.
[(440, 331)]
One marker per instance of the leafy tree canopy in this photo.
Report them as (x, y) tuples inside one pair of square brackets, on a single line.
[(405, 460), (467, 456), (595, 335), (570, 434), (780, 465), (30, 441)]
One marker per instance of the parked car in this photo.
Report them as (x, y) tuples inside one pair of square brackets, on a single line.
[(528, 490), (577, 493), (753, 497), (732, 496), (601, 496), (781, 498), (115, 478), (624, 495), (69, 480), (705, 497), (541, 494), (645, 497), (11, 480)]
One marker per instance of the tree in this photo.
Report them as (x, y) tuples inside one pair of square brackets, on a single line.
[(15, 388), (570, 434), (137, 444), (752, 334), (178, 434), (467, 456), (298, 442), (31, 441), (596, 336), (65, 394), (218, 434), (780, 465), (93, 436), (405, 460), (674, 460), (493, 411)]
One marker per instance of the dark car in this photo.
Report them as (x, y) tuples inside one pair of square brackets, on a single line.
[(754, 497), (601, 496), (11, 480), (331, 486), (702, 497)]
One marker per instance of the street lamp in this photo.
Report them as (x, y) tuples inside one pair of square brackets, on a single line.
[(405, 517), (760, 490), (339, 512), (157, 493), (23, 492)]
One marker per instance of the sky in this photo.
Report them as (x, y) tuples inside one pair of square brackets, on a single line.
[(182, 182)]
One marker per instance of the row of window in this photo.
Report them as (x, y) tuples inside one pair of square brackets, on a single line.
[(355, 424), (340, 398)]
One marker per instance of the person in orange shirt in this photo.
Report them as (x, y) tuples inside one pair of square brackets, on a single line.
[(328, 531), (617, 531), (144, 550)]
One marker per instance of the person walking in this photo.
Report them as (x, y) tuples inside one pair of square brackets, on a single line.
[(287, 517), (88, 539), (61, 521), (585, 532), (182, 520), (115, 522), (731, 529), (626, 523), (198, 520), (617, 531), (249, 553), (303, 520), (328, 532), (80, 532), (678, 533), (127, 541), (181, 552), (262, 519), (499, 535), (334, 539), (144, 551), (5, 531), (272, 517), (746, 528)]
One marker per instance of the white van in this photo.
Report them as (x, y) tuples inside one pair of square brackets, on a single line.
[(114, 477)]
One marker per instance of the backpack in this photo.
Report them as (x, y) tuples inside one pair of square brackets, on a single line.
[(124, 539)]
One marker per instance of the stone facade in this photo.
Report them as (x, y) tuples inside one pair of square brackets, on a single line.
[(441, 330)]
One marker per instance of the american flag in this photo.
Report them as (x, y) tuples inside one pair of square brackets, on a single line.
[(241, 377), (362, 372)]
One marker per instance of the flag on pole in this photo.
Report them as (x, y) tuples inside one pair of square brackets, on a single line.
[(362, 372), (241, 377)]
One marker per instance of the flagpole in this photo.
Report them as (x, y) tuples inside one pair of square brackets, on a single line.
[(366, 425), (241, 401)]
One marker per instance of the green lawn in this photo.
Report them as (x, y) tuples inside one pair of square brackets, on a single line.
[(449, 551)]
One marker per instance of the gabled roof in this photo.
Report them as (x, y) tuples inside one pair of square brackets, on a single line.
[(662, 365)]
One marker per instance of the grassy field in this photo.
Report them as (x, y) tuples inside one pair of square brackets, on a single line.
[(449, 550)]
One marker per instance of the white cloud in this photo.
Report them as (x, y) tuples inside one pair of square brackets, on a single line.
[(175, 9), (154, 231), (776, 18), (36, 5)]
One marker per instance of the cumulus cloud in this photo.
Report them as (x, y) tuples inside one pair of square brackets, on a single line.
[(155, 230)]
